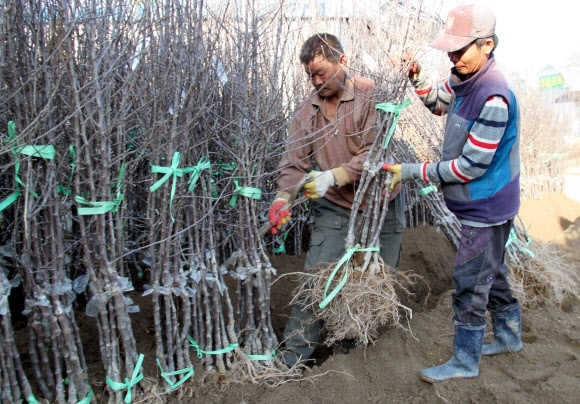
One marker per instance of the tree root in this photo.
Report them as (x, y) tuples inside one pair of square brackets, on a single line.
[(367, 301)]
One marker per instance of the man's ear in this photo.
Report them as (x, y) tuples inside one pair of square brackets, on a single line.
[(342, 62), (488, 46)]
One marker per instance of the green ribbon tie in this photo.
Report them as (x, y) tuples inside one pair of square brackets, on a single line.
[(229, 348), (512, 238), (136, 377), (87, 399), (100, 208), (73, 165), (201, 352), (171, 171), (248, 192), (267, 358), (32, 400), (392, 108), (166, 375), (344, 260), (227, 166), (44, 151), (202, 164), (282, 248), (427, 190), (9, 200), (174, 171)]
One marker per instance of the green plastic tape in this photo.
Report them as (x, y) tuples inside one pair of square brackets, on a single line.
[(327, 298)]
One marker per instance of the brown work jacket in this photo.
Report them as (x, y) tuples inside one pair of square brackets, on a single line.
[(340, 141)]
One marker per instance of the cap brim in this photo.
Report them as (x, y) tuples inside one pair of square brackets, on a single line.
[(450, 43)]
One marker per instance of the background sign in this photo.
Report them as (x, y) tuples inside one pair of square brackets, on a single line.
[(551, 81)]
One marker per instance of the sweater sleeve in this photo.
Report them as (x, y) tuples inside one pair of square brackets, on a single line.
[(482, 142), (436, 97)]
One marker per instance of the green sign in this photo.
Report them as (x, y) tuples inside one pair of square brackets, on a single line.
[(551, 81)]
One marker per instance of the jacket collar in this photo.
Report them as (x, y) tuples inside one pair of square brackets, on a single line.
[(463, 87)]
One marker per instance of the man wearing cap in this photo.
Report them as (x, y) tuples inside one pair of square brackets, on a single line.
[(479, 176)]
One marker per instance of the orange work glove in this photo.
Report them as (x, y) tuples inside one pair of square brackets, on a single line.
[(278, 214)]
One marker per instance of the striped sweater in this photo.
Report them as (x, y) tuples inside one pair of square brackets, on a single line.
[(480, 167)]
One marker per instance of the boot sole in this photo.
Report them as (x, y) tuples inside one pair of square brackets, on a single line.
[(502, 352), (469, 380)]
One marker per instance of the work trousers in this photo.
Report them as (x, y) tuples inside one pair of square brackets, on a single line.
[(327, 245), (480, 273)]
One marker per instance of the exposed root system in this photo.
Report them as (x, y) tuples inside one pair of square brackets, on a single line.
[(367, 301), (544, 276)]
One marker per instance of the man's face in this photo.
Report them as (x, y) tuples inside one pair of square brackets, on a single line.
[(470, 59), (326, 77)]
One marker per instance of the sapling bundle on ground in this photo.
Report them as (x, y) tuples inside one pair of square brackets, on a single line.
[(540, 273), (100, 107), (178, 190), (251, 115), (38, 249), (13, 382), (167, 275), (38, 150), (212, 332), (55, 347), (101, 233)]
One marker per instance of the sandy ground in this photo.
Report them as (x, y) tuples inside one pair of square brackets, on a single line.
[(572, 175), (572, 184)]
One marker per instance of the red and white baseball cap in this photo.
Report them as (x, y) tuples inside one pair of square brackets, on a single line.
[(464, 25)]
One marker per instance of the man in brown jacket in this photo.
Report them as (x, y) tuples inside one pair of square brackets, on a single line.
[(333, 128)]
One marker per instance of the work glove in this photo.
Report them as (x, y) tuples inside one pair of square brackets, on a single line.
[(396, 170), (414, 69), (406, 172), (321, 181), (278, 214)]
